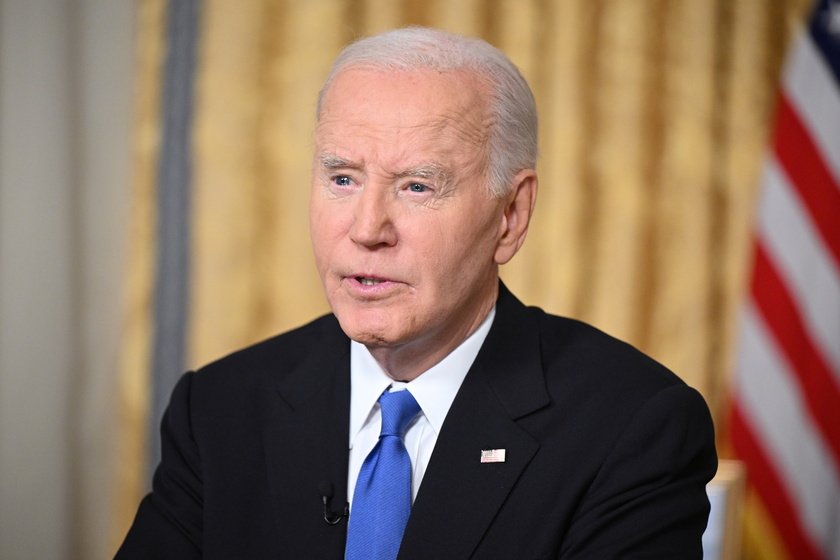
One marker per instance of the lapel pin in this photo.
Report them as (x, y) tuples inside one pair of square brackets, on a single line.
[(492, 455)]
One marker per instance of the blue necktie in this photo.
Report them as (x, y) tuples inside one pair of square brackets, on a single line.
[(382, 499)]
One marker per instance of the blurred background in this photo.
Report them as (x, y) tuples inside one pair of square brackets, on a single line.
[(154, 171)]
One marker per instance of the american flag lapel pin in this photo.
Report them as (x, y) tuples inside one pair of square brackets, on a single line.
[(492, 455)]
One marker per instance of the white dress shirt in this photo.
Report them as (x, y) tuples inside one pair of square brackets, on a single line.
[(434, 390)]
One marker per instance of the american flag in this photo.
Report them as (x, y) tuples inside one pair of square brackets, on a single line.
[(786, 406), (492, 455)]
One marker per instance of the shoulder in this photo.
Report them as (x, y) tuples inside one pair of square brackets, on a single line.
[(578, 365), (246, 377), (593, 373), (594, 379), (287, 349), (612, 389), (576, 352)]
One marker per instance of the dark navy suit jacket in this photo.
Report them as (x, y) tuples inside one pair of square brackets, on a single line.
[(607, 453)]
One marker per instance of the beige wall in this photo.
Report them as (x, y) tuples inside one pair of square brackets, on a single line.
[(65, 105)]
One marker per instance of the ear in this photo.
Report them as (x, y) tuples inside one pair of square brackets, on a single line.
[(518, 208)]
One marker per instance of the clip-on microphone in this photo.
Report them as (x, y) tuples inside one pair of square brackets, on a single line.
[(331, 517)]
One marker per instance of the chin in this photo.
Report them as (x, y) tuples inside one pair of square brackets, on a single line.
[(365, 327)]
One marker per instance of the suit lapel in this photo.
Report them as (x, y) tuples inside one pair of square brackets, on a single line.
[(305, 442), (505, 383)]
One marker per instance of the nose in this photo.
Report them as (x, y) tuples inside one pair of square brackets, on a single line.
[(373, 225)]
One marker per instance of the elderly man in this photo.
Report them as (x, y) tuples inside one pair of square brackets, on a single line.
[(431, 415)]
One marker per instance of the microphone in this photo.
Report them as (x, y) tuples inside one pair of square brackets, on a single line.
[(331, 517)]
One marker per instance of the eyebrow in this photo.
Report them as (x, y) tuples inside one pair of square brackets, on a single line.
[(331, 161), (427, 171)]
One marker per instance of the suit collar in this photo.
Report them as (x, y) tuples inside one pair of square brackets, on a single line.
[(323, 352), (511, 358)]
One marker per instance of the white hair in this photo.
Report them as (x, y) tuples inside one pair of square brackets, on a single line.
[(512, 144)]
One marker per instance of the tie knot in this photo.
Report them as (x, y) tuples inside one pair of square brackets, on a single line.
[(398, 410)]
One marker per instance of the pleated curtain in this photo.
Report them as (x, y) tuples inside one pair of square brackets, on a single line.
[(654, 122)]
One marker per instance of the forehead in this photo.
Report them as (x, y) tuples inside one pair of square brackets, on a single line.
[(408, 110)]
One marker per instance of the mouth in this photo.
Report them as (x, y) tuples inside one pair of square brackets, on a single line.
[(369, 287)]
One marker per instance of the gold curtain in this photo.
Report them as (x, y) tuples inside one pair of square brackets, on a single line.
[(654, 121)]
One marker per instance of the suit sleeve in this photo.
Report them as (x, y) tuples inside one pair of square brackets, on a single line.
[(168, 523), (648, 499)]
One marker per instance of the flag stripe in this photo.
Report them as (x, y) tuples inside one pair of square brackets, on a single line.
[(802, 261), (815, 379), (808, 172), (812, 89), (763, 476), (774, 405)]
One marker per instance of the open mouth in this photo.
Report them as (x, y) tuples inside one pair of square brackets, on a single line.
[(368, 281)]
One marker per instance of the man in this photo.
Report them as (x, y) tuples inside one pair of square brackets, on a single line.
[(528, 435)]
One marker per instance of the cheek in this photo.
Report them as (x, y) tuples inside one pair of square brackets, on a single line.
[(457, 253), (327, 221), (323, 237), (478, 237)]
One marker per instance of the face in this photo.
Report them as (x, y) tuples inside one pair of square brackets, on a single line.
[(405, 233)]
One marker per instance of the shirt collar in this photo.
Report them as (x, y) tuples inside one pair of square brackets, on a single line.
[(434, 389)]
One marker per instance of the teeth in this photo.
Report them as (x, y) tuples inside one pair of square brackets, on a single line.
[(369, 281)]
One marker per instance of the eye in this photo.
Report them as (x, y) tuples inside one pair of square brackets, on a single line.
[(342, 180), (417, 187)]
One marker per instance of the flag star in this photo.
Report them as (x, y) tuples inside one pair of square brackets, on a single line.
[(832, 17)]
